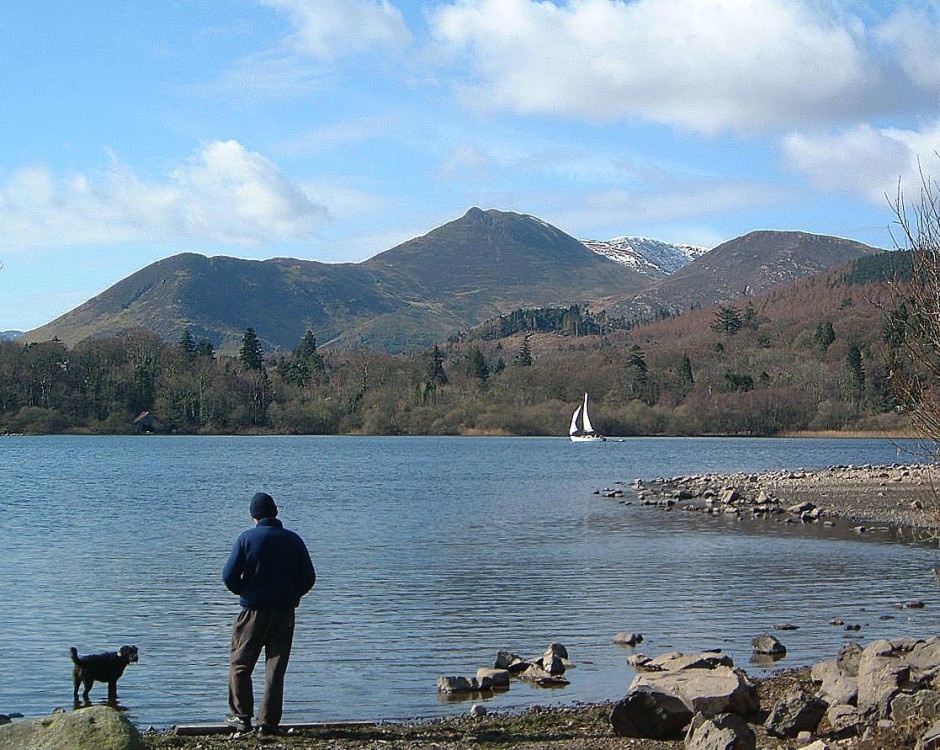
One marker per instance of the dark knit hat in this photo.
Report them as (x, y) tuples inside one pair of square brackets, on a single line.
[(262, 506)]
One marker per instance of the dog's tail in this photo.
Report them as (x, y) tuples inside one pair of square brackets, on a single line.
[(74, 652)]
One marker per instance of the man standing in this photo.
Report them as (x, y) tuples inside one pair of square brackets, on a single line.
[(270, 569)]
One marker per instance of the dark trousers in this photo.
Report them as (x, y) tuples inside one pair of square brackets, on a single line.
[(254, 629)]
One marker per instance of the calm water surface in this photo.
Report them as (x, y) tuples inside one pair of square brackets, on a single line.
[(432, 554)]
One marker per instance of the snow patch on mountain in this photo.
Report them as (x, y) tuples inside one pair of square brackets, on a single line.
[(645, 254)]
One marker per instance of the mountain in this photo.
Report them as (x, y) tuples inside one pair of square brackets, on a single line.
[(746, 265), (484, 264), (645, 254), (413, 295), (10, 335)]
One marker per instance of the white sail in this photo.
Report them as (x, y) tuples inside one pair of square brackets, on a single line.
[(575, 427), (588, 428), (581, 429)]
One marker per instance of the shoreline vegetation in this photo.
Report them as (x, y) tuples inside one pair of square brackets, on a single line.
[(820, 361), (899, 496)]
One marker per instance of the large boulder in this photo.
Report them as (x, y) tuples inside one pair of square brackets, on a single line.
[(706, 691), (924, 656), (674, 661), (648, 712), (538, 676), (881, 675), (849, 656), (924, 705), (554, 658), (797, 711), (767, 644), (722, 732), (844, 720), (628, 639), (835, 686), (449, 684), (513, 662), (92, 728), (498, 678)]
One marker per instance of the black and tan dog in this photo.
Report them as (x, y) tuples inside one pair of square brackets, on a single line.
[(107, 667)]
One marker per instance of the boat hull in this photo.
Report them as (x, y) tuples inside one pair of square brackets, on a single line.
[(587, 438)]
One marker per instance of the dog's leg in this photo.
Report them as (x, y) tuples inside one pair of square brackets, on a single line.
[(89, 681), (112, 691), (76, 681)]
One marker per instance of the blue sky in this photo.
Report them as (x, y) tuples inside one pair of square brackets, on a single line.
[(332, 130)]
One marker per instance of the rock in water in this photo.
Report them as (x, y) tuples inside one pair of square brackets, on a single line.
[(767, 644)]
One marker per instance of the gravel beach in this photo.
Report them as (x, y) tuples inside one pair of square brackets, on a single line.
[(901, 497)]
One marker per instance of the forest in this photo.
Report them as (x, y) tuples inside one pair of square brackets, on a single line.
[(814, 356)]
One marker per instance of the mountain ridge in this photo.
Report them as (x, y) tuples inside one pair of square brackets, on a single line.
[(485, 263), (645, 252)]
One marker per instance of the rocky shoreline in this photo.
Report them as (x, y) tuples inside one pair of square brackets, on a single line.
[(901, 497)]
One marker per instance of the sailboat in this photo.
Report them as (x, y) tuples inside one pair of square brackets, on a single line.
[(581, 430)]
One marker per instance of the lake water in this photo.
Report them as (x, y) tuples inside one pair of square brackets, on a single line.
[(432, 554)]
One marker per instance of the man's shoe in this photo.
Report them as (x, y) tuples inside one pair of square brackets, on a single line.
[(266, 730), (238, 723)]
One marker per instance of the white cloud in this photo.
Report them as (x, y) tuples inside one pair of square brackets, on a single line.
[(327, 29), (913, 35), (866, 161), (222, 194), (701, 65)]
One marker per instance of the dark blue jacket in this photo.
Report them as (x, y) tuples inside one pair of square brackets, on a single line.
[(269, 567)]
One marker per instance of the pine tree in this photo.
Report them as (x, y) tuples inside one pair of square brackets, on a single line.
[(251, 353), (825, 335), (685, 371), (436, 374), (205, 349), (187, 344), (524, 356), (637, 377), (853, 360), (727, 320), (308, 346), (307, 356), (476, 365)]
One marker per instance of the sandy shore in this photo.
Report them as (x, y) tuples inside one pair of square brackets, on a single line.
[(904, 497)]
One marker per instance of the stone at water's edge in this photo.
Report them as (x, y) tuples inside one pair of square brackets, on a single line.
[(644, 712), (93, 728), (722, 732)]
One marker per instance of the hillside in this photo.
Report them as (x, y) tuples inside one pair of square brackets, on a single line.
[(810, 355), (746, 265), (421, 292), (409, 296), (218, 298)]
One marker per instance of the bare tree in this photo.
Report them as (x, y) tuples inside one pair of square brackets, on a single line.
[(914, 324)]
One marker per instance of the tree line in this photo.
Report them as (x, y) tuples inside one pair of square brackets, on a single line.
[(765, 366)]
